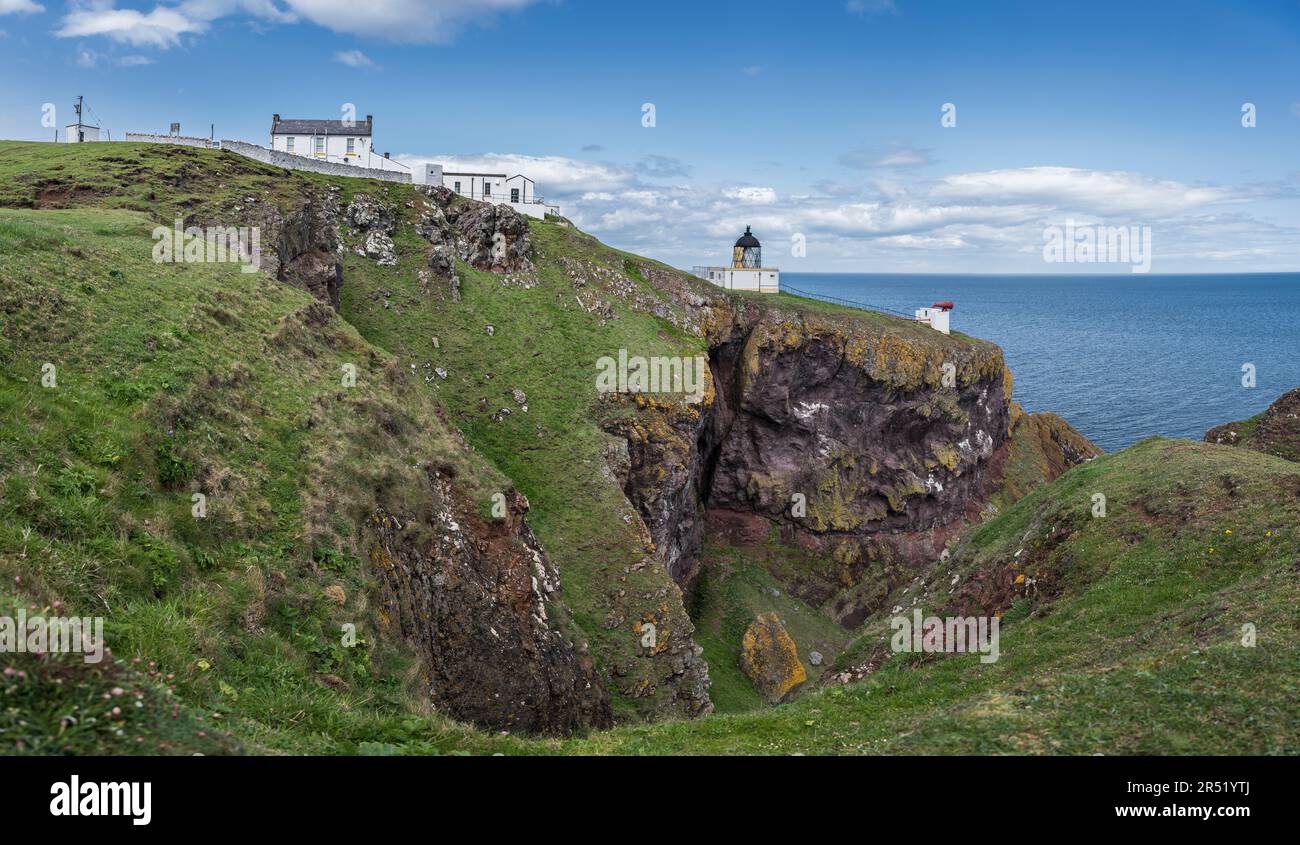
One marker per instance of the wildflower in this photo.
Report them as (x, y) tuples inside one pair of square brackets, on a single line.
[(116, 711), (116, 691), (1227, 531)]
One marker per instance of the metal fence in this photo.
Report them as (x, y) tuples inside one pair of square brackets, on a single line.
[(852, 303)]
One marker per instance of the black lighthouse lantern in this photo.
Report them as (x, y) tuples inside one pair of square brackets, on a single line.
[(748, 254)]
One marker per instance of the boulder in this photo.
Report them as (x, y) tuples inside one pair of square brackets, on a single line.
[(769, 657)]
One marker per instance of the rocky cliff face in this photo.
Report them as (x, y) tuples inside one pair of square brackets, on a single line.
[(867, 441), (300, 244), (833, 429), (472, 597), (1276, 431)]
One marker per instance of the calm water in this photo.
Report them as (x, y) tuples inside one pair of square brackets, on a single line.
[(1119, 357)]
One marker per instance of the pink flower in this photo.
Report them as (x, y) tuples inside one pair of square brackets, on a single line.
[(9, 671), (117, 711), (117, 691)]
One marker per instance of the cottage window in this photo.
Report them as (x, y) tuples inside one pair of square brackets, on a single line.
[(288, 143), (514, 195), (352, 146), (487, 188), (456, 188), (318, 145)]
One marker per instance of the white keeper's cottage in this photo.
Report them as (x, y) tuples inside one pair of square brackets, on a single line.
[(338, 141), (746, 271)]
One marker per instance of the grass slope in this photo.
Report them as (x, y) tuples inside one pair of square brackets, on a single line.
[(170, 378), (174, 378)]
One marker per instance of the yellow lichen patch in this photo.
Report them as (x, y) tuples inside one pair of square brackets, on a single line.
[(770, 658), (948, 456)]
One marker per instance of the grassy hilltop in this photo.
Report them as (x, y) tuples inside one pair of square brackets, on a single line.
[(1125, 633)]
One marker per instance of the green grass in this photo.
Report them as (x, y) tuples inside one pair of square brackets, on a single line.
[(1141, 652), (171, 379), (546, 345), (733, 590), (177, 379)]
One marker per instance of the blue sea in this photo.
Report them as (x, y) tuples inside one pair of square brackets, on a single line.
[(1120, 357)]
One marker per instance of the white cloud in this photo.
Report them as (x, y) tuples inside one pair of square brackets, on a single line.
[(353, 58), (20, 7), (403, 20), (87, 57), (162, 27), (412, 21), (134, 61), (966, 222), (1070, 188), (751, 195), (866, 8), (895, 156)]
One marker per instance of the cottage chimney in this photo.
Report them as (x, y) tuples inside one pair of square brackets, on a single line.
[(385, 155), (275, 118), (370, 121)]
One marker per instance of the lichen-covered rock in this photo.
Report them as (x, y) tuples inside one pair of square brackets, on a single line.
[(770, 658), (376, 223), (379, 246), (866, 427), (486, 236), (1275, 432)]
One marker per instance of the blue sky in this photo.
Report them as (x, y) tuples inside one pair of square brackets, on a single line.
[(813, 119)]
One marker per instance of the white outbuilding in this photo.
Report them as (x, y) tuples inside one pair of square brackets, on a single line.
[(80, 133), (518, 191), (936, 316)]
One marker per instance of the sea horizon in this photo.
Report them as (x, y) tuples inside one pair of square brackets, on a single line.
[(1118, 368)]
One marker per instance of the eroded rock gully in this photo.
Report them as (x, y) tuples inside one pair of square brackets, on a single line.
[(472, 597)]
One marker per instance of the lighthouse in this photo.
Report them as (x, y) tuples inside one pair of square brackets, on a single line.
[(746, 271)]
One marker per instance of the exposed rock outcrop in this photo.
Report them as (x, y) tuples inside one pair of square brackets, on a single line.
[(486, 236), (1276, 431), (300, 244), (870, 442), (375, 223), (472, 597)]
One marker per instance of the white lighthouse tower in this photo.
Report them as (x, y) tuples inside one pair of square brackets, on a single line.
[(746, 271)]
